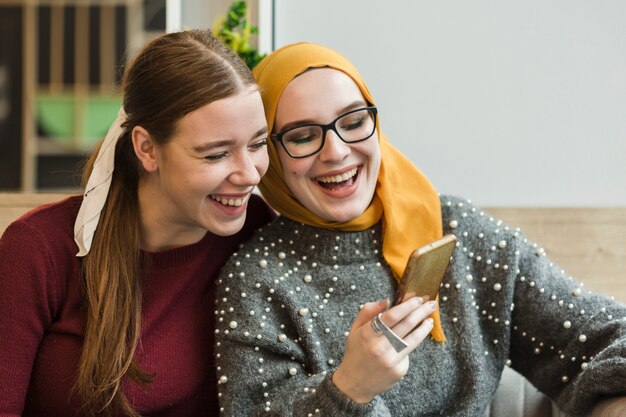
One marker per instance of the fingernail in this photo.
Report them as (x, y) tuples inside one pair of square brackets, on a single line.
[(429, 322), (432, 304), (419, 300)]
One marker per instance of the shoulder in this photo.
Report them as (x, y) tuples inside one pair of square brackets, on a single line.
[(474, 227), (53, 222), (38, 250), (462, 214), (261, 254)]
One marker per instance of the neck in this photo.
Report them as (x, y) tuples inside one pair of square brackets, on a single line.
[(159, 232)]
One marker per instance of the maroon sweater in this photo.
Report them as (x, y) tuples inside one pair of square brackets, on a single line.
[(42, 318)]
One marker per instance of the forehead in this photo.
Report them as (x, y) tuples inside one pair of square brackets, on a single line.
[(317, 93), (236, 119), (230, 115)]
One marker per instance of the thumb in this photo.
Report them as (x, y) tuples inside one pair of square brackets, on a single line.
[(368, 312)]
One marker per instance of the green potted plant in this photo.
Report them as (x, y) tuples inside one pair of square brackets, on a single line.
[(235, 30)]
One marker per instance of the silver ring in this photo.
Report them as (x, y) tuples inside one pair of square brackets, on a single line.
[(377, 325), (381, 328)]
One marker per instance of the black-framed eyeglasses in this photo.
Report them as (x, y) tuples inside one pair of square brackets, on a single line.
[(306, 140)]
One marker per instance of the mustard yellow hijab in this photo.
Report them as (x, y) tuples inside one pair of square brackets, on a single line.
[(405, 200)]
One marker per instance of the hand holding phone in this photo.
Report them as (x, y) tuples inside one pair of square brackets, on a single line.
[(425, 269)]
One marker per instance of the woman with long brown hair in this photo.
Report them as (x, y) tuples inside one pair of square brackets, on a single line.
[(107, 297)]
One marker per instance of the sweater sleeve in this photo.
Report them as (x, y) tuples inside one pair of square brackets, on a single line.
[(567, 341), (266, 364), (26, 310)]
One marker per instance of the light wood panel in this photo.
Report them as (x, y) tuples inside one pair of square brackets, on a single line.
[(589, 243), (13, 205)]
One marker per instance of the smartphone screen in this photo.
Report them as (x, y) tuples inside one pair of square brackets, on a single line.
[(425, 269)]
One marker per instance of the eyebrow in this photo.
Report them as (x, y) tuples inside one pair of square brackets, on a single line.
[(220, 143), (352, 106), (212, 145)]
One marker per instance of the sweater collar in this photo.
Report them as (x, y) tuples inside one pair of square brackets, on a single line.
[(332, 246)]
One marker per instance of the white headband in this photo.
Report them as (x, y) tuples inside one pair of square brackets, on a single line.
[(97, 188)]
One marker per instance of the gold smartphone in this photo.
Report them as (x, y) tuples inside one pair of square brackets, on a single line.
[(425, 269)]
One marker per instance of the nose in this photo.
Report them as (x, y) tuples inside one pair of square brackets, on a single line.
[(334, 148), (245, 172)]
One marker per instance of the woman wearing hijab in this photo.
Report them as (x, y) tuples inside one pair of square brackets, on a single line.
[(299, 329)]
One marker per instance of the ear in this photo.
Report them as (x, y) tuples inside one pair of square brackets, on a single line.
[(144, 149)]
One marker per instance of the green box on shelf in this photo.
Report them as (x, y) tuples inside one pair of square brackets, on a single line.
[(100, 113), (56, 116)]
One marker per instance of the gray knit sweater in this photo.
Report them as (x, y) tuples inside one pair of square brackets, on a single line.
[(287, 299)]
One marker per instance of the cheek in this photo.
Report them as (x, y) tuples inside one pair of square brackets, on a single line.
[(295, 170), (375, 157), (262, 164), (376, 166)]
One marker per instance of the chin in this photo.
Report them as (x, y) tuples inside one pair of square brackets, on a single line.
[(227, 229), (343, 215)]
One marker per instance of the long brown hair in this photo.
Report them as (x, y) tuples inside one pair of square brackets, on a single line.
[(172, 76)]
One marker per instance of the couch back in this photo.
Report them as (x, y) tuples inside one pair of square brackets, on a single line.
[(13, 205), (589, 243)]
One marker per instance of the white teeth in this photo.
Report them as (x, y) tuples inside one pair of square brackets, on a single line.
[(339, 178), (237, 202)]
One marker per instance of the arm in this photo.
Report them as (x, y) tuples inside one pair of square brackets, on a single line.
[(567, 341), (25, 312)]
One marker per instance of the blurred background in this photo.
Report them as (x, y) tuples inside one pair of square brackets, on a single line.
[(507, 103), (61, 62)]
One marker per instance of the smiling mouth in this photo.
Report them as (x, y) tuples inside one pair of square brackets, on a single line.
[(236, 202), (337, 182)]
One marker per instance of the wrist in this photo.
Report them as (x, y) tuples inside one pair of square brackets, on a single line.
[(348, 388)]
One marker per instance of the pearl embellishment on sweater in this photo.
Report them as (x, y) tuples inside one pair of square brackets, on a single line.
[(492, 261)]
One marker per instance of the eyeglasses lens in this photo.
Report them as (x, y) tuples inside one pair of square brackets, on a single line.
[(351, 127)]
